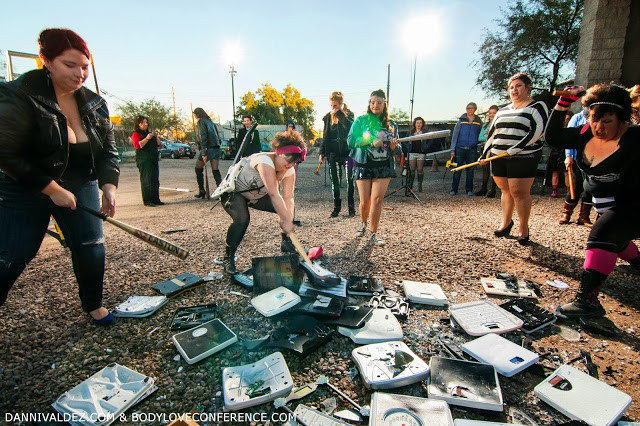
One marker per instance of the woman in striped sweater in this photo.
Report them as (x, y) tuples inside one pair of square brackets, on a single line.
[(516, 130)]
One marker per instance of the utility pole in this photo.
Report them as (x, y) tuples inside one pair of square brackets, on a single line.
[(175, 130), (233, 101), (388, 83)]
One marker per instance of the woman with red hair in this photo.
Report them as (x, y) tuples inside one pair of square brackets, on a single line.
[(56, 150)]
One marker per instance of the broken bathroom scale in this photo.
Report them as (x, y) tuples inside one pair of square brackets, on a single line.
[(424, 293), (199, 342), (465, 383), (140, 306), (253, 384), (101, 398), (176, 285), (507, 357), (582, 397), (364, 286), (390, 409), (192, 316), (312, 417), (381, 326), (275, 301), (534, 317), (481, 317), (389, 365), (516, 288)]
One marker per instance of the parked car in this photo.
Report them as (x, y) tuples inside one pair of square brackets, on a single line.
[(227, 150), (176, 150)]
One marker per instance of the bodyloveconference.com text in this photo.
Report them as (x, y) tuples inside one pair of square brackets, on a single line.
[(151, 418)]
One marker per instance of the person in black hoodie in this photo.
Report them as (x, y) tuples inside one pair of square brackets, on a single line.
[(335, 149), (56, 149), (146, 144)]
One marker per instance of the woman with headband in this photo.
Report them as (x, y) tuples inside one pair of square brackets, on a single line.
[(257, 187), (373, 140), (608, 153)]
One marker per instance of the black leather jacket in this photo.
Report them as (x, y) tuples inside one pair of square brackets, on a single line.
[(34, 147)]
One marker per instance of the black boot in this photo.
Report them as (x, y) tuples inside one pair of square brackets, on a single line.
[(337, 205), (217, 177), (352, 210), (409, 184), (420, 179), (586, 303), (287, 245), (200, 179), (229, 261)]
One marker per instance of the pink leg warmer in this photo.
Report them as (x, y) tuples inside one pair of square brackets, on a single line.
[(600, 260), (630, 253)]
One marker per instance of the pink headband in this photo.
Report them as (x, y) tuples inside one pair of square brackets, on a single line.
[(292, 149)]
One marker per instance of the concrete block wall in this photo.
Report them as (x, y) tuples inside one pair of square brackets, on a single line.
[(602, 41)]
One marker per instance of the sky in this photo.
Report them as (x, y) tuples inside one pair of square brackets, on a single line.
[(143, 49)]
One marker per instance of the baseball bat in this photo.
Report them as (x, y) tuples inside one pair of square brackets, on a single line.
[(428, 135), (504, 154), (206, 182), (568, 93), (139, 233)]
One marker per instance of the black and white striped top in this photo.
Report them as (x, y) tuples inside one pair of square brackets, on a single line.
[(517, 131)]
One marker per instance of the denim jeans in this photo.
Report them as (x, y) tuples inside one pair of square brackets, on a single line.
[(464, 155), (24, 218)]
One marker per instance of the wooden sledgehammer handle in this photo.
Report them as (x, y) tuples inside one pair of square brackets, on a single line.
[(318, 169), (298, 246), (567, 93), (504, 154), (572, 188)]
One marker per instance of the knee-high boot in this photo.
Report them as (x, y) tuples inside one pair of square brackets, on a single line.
[(586, 303), (567, 210), (217, 177), (583, 217), (229, 261), (420, 179), (200, 179)]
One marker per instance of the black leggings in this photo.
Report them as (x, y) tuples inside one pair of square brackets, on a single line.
[(238, 208), (613, 230)]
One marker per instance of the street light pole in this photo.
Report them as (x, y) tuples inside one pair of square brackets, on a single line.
[(233, 101), (413, 86)]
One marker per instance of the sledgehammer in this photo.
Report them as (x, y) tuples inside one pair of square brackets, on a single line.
[(317, 274)]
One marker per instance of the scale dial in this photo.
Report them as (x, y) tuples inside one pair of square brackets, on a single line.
[(400, 417)]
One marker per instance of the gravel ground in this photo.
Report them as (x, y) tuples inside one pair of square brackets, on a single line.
[(50, 344)]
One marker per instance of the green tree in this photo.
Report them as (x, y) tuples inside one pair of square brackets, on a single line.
[(400, 116), (539, 37), (160, 116), (268, 106)]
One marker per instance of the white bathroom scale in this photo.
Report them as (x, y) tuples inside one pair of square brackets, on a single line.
[(498, 287), (481, 317), (253, 384), (199, 342), (389, 365), (140, 306), (380, 326), (100, 399), (507, 357), (465, 383), (389, 409), (275, 301), (582, 397), (424, 293)]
